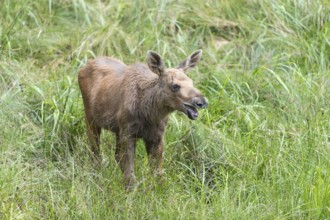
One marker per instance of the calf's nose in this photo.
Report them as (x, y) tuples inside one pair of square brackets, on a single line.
[(200, 102)]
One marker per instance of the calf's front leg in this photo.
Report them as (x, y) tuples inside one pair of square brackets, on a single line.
[(155, 155), (125, 152)]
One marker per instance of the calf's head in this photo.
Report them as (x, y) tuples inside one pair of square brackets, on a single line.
[(176, 87)]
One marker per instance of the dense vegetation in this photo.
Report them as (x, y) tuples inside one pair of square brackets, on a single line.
[(260, 151)]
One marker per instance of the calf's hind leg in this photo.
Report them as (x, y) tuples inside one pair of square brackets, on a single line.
[(94, 133)]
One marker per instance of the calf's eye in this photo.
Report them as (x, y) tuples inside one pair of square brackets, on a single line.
[(175, 87)]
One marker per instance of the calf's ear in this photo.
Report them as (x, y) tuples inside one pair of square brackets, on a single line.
[(191, 61), (155, 63)]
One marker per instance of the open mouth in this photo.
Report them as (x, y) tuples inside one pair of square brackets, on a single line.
[(191, 111)]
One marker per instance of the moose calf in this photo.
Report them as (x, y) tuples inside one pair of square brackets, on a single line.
[(135, 102)]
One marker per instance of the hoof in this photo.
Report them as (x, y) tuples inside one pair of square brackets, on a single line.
[(130, 184)]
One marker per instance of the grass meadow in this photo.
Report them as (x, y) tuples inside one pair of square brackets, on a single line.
[(261, 150)]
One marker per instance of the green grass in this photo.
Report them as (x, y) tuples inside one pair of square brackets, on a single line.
[(260, 151)]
